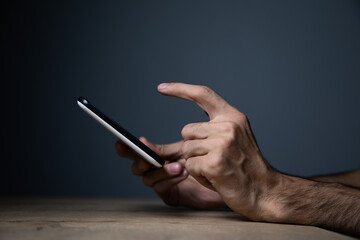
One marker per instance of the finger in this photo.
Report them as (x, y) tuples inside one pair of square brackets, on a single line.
[(194, 148), (139, 167), (206, 98), (163, 186), (194, 166), (125, 151), (169, 151), (168, 171), (200, 130)]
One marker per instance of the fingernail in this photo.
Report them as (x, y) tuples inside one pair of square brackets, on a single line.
[(184, 173), (162, 86), (174, 169)]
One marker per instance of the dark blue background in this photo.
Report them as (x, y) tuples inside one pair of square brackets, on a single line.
[(292, 66)]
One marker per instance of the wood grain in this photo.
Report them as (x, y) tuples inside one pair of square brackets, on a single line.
[(80, 218)]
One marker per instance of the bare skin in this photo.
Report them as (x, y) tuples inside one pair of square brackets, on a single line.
[(171, 182), (351, 179), (219, 163)]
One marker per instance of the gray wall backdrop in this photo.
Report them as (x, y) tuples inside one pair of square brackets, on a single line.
[(292, 66)]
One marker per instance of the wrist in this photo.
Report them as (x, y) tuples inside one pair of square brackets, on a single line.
[(302, 201), (276, 206), (292, 200), (268, 206)]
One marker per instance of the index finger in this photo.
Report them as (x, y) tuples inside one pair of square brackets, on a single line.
[(203, 96)]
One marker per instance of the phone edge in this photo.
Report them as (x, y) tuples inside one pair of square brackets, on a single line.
[(124, 139)]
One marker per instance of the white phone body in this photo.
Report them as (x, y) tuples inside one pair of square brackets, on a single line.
[(124, 136)]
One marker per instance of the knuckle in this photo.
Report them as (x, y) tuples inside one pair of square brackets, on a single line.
[(188, 165), (186, 130), (230, 131), (160, 149), (204, 91), (225, 141), (216, 164), (229, 127), (192, 167), (185, 148), (242, 118)]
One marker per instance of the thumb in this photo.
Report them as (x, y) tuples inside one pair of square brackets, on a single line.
[(167, 151)]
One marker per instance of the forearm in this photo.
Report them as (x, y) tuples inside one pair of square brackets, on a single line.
[(349, 178), (328, 205)]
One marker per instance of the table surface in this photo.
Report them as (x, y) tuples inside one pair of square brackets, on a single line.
[(84, 218)]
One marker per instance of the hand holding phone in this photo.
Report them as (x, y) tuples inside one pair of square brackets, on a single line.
[(125, 137)]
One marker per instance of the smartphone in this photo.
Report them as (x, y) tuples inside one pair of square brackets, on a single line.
[(125, 137)]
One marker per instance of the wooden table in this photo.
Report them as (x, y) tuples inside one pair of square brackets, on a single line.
[(83, 218)]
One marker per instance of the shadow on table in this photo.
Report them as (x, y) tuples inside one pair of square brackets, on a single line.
[(164, 210)]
